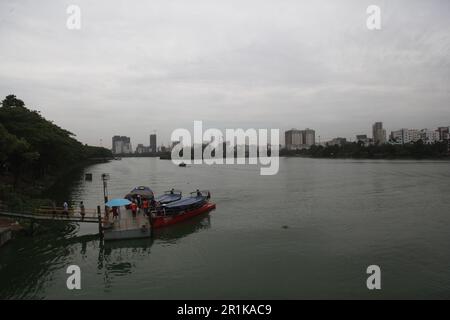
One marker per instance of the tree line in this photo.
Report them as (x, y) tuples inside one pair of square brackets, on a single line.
[(32, 147), (415, 150)]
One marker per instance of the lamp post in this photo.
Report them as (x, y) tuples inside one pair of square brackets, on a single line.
[(105, 178)]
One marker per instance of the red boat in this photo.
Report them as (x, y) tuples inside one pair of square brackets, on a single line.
[(160, 221)]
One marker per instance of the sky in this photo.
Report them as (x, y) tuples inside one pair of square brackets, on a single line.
[(139, 67)]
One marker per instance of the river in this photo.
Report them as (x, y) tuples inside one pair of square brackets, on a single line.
[(310, 231)]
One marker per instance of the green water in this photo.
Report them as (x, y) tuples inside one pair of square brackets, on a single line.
[(308, 232)]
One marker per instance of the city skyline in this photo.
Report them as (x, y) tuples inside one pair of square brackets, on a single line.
[(298, 139), (283, 65)]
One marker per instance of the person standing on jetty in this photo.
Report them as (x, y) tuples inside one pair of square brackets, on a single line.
[(82, 210), (133, 208), (66, 208), (145, 206)]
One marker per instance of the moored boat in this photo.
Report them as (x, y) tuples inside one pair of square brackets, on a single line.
[(168, 197), (185, 208)]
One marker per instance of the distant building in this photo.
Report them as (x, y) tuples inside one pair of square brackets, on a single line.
[(142, 149), (121, 145), (337, 141), (364, 139), (405, 136), (299, 139), (429, 136), (293, 139), (153, 147), (378, 133), (444, 133), (309, 137)]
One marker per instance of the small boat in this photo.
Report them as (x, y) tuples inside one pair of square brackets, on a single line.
[(168, 197), (141, 191), (182, 164), (182, 209)]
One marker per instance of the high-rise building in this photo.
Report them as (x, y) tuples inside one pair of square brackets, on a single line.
[(309, 137), (299, 139), (153, 142), (378, 133), (121, 145), (293, 139)]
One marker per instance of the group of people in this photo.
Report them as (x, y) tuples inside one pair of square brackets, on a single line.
[(139, 203), (65, 209)]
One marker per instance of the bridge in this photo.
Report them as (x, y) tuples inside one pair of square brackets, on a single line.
[(56, 217), (55, 214)]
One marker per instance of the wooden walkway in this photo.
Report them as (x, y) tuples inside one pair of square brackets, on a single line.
[(51, 217)]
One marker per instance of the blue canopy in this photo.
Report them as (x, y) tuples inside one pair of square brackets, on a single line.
[(185, 203), (167, 198), (118, 202)]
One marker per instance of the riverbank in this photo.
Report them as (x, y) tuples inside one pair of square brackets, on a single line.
[(413, 151), (35, 154)]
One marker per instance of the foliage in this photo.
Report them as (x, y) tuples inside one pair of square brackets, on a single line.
[(416, 150), (33, 147)]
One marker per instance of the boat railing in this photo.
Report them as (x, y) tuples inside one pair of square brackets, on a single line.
[(173, 192), (204, 193)]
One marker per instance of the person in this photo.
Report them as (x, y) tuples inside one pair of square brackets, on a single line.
[(172, 191), (208, 196), (115, 212), (139, 200), (199, 194), (145, 206), (106, 213), (82, 210), (133, 208), (66, 208)]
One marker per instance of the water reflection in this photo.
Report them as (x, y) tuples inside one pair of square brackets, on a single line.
[(119, 258)]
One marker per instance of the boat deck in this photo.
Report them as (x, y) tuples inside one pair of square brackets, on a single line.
[(126, 226)]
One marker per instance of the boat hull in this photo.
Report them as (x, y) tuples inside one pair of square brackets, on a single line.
[(164, 221)]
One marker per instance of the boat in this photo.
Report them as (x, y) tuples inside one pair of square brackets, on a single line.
[(141, 191), (182, 164), (169, 196), (180, 210)]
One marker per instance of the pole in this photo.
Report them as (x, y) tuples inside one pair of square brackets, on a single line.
[(105, 190), (100, 227)]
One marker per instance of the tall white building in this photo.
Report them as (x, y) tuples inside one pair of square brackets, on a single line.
[(405, 136)]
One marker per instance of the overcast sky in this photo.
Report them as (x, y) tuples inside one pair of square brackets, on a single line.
[(139, 66)]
